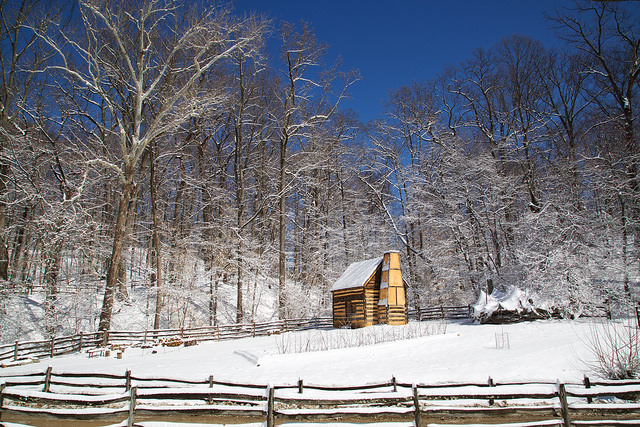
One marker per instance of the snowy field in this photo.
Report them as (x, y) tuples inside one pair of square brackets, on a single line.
[(441, 353), (465, 352)]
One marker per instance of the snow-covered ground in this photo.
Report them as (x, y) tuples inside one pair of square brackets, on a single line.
[(542, 350), (466, 352)]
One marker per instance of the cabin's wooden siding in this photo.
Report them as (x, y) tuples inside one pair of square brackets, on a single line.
[(372, 295), (348, 307), (357, 307)]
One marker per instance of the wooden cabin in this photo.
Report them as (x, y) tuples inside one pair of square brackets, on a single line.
[(370, 292)]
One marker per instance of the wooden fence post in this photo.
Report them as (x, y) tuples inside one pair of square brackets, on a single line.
[(562, 394), (416, 405), (132, 406), (270, 415), (53, 344), (2, 386), (491, 384), (587, 384), (80, 341), (127, 380), (47, 380), (300, 386), (15, 351), (394, 383), (210, 400)]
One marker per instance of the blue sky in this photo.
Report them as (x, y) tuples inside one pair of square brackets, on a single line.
[(396, 42)]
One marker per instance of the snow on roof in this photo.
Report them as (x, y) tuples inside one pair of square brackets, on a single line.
[(356, 274)]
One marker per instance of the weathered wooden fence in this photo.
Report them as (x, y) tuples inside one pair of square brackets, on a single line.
[(49, 348), (441, 312), (63, 345), (219, 333), (40, 397)]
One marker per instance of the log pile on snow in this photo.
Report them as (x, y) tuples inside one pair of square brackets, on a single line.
[(509, 306)]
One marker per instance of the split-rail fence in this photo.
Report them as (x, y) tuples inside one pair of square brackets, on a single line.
[(47, 398), (57, 346)]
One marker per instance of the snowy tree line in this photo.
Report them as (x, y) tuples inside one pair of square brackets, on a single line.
[(165, 145), (520, 165)]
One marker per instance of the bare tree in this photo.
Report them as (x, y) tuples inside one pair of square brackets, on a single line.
[(306, 99), (22, 59), (139, 63), (247, 115), (567, 102), (607, 34), (300, 53)]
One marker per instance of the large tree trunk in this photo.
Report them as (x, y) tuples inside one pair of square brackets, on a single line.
[(53, 261), (282, 296), (4, 252), (122, 292), (239, 178), (239, 306), (177, 231), (240, 258), (213, 298), (116, 253), (345, 228), (18, 255), (156, 246)]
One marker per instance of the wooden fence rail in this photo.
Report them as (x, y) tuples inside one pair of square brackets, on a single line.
[(41, 396), (62, 345)]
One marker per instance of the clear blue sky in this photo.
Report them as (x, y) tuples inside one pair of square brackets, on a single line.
[(396, 42)]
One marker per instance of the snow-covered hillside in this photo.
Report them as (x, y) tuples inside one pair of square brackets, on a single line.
[(22, 315)]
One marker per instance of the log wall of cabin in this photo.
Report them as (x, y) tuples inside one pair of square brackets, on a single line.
[(352, 299), (362, 300), (372, 296)]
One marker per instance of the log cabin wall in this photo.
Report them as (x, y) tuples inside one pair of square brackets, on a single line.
[(348, 308), (357, 307), (372, 295)]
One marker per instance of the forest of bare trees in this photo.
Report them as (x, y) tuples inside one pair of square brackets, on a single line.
[(184, 151)]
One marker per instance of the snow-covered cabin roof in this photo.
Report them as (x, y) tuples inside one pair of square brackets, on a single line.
[(357, 274)]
